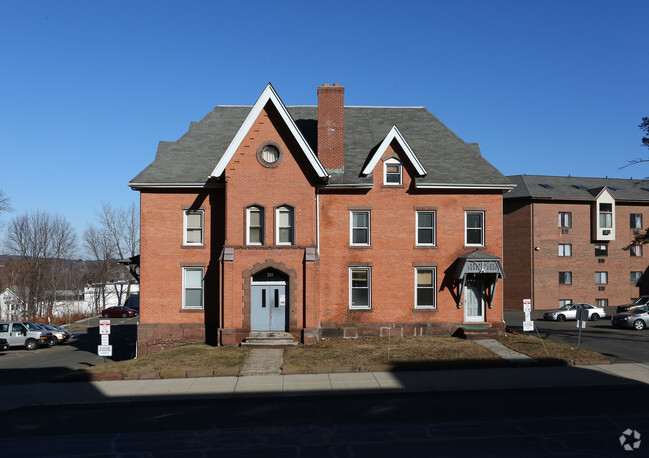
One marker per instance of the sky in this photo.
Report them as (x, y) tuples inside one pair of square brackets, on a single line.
[(89, 88)]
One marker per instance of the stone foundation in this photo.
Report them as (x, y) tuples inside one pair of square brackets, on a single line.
[(152, 338)]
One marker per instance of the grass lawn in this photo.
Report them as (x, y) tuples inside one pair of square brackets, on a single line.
[(544, 349)]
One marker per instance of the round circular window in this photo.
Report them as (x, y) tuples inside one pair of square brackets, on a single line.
[(269, 155)]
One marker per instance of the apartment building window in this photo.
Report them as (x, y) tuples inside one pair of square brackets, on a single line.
[(255, 226), (360, 287), (601, 250), (605, 215), (635, 251), (474, 228), (565, 249), (563, 302), (601, 302), (565, 278), (192, 287), (426, 228), (425, 287), (360, 228), (601, 278), (565, 219), (193, 222), (636, 276), (284, 226), (392, 172), (636, 220)]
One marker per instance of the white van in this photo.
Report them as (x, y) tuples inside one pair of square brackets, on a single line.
[(25, 334)]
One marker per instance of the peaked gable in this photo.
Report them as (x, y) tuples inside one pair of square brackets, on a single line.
[(269, 96), (394, 135)]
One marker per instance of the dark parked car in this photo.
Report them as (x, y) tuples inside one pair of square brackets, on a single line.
[(644, 300), (636, 318), (4, 344), (117, 312)]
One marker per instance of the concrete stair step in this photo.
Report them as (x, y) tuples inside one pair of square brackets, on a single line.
[(269, 339)]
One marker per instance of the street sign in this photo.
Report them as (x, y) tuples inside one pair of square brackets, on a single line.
[(527, 305), (104, 339), (105, 350), (582, 317), (528, 325), (104, 326)]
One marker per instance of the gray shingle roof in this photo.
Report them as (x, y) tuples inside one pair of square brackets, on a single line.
[(576, 188), (448, 159)]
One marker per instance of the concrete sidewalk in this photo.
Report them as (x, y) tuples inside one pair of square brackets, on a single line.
[(511, 378)]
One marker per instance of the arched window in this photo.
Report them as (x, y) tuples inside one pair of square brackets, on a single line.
[(255, 226), (392, 171), (284, 225)]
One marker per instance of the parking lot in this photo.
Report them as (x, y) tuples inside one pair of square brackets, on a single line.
[(18, 365), (619, 345)]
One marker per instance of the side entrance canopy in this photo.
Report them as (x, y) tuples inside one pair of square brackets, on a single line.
[(478, 263)]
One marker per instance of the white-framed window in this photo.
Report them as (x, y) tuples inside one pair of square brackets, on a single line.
[(360, 287), (255, 226), (359, 227), (192, 287), (425, 289), (565, 219), (565, 278), (636, 220), (284, 225), (601, 250), (601, 278), (635, 277), (606, 215), (193, 230), (474, 228), (601, 302), (426, 228), (565, 249), (563, 302), (392, 172), (635, 251)]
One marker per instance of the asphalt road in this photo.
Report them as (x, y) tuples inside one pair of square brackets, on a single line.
[(18, 365), (619, 345), (566, 422)]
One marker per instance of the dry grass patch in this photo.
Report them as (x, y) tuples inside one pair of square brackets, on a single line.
[(377, 351), (193, 356), (543, 349)]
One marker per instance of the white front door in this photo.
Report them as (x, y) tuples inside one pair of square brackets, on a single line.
[(473, 301)]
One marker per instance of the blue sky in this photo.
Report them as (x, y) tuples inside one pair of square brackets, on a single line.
[(90, 87)]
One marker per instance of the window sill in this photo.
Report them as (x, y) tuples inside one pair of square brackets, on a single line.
[(425, 247), (191, 310), (475, 247), (358, 309), (397, 186), (192, 246), (424, 309), (359, 246)]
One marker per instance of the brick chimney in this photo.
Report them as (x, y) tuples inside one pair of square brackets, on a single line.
[(331, 126)]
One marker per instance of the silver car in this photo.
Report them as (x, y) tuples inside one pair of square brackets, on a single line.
[(569, 312), (636, 318)]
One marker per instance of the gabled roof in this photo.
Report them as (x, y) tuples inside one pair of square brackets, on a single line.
[(446, 160), (394, 135), (268, 96), (546, 187)]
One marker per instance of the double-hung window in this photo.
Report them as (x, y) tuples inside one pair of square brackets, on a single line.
[(606, 215), (392, 172), (635, 251), (601, 278), (360, 228), (192, 287), (255, 226), (360, 287), (565, 278), (635, 277), (474, 228), (565, 219), (601, 250), (193, 234), (565, 249), (636, 220), (426, 228), (284, 226), (425, 280)]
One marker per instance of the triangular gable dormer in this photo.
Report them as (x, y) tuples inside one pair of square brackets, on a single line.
[(269, 96), (394, 135)]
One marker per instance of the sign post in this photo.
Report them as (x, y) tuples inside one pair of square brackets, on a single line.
[(105, 349), (582, 317), (528, 324)]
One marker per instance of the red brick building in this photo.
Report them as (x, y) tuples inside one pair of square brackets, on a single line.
[(565, 240), (325, 221)]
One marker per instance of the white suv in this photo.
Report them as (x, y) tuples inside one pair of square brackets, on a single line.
[(25, 334)]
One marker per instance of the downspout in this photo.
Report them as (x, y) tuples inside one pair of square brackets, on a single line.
[(317, 222)]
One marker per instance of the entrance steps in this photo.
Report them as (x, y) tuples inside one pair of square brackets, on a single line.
[(269, 339), (478, 332)]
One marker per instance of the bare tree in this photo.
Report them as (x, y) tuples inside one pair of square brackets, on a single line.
[(115, 237), (4, 202), (42, 241)]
